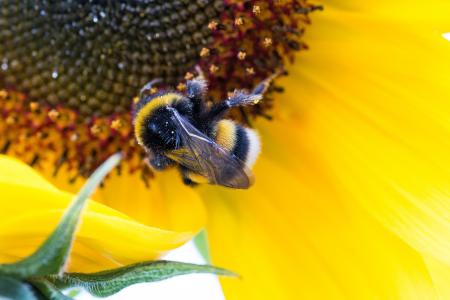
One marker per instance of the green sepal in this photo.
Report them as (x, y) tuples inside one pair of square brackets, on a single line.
[(201, 242), (48, 290), (107, 283), (11, 289), (73, 292), (51, 257)]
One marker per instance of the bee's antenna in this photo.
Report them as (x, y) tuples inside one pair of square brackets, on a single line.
[(148, 86)]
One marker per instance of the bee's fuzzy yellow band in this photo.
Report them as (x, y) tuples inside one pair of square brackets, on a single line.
[(147, 110)]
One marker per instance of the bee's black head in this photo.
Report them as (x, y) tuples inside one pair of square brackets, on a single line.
[(160, 131), (154, 126)]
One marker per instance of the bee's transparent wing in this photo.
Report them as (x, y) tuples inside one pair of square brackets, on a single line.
[(202, 155)]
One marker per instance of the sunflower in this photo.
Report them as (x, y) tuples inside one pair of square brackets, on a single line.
[(353, 183)]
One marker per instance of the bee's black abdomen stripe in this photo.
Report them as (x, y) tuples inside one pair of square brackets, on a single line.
[(241, 145)]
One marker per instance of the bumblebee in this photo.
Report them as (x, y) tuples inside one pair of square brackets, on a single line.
[(182, 130)]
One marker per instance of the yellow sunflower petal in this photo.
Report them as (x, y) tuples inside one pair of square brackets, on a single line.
[(294, 236), (107, 238), (353, 191), (440, 273), (168, 203), (420, 14), (14, 172), (378, 116)]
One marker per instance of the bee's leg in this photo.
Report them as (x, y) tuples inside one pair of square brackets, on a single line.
[(159, 162), (239, 98), (196, 90), (200, 73), (185, 176), (262, 87)]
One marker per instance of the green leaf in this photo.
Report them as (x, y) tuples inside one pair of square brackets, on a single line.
[(107, 283), (48, 290), (51, 257), (11, 289), (73, 292), (201, 242)]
